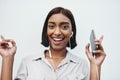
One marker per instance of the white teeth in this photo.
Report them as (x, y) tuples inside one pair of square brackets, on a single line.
[(57, 39)]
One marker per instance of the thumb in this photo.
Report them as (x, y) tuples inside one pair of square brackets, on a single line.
[(2, 38)]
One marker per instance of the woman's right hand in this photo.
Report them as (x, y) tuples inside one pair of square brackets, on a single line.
[(7, 50)]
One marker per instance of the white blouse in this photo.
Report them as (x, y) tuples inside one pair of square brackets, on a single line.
[(37, 67)]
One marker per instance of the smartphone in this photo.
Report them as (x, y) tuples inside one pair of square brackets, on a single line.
[(92, 38)]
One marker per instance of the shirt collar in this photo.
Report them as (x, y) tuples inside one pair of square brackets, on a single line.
[(69, 57), (39, 56)]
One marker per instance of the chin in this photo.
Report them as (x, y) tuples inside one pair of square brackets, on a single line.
[(58, 47)]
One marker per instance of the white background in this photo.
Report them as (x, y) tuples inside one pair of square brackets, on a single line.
[(22, 20)]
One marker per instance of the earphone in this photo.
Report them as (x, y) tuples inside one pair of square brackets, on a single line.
[(69, 39), (71, 34)]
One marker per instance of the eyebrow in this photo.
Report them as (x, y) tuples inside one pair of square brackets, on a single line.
[(51, 22), (64, 23), (60, 23)]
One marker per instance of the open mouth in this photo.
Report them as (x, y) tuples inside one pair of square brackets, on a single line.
[(57, 40)]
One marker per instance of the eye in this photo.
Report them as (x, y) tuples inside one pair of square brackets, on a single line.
[(51, 26), (64, 26)]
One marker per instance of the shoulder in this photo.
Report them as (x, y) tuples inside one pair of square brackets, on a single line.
[(32, 57), (77, 59)]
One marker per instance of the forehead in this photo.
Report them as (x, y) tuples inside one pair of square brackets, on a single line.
[(59, 18)]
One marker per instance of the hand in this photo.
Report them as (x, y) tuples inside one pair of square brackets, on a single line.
[(96, 57), (5, 48)]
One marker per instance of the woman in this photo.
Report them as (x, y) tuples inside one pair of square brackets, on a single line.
[(56, 63)]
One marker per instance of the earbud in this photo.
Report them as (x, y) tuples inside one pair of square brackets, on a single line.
[(71, 34)]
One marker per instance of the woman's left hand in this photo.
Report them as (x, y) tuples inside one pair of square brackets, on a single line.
[(96, 57)]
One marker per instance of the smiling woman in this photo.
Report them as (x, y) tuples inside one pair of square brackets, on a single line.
[(59, 30), (66, 13), (56, 63)]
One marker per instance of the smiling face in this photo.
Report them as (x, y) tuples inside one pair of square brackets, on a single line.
[(59, 30)]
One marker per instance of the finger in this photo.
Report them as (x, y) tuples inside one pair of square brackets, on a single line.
[(88, 53), (101, 38), (99, 45), (8, 43), (97, 51), (100, 52), (2, 38), (11, 41), (3, 43), (87, 48)]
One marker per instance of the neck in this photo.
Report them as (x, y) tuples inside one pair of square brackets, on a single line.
[(57, 53)]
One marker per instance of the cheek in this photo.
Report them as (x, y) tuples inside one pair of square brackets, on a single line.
[(67, 33), (49, 32)]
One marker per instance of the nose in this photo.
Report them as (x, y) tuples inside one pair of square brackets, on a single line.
[(57, 31)]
